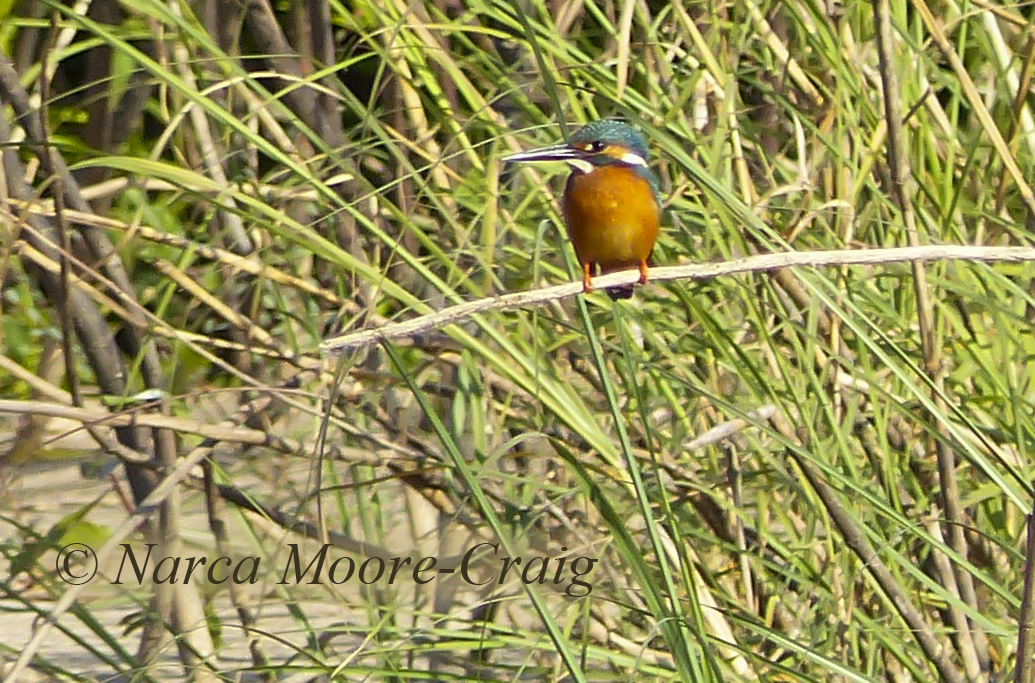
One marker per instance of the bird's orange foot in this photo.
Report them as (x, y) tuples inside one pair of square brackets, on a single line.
[(587, 283), (643, 272)]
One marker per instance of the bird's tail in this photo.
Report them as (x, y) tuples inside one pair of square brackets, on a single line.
[(620, 292)]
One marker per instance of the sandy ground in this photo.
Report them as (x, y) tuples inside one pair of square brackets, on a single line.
[(38, 496)]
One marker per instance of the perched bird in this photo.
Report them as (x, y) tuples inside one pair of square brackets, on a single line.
[(611, 206)]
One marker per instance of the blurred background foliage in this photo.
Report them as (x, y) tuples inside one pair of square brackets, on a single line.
[(798, 475)]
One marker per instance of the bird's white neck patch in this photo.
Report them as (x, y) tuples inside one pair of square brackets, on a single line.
[(633, 159), (629, 159)]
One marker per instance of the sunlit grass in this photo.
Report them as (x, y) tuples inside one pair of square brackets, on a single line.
[(571, 424)]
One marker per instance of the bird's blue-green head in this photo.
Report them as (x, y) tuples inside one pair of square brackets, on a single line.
[(600, 143)]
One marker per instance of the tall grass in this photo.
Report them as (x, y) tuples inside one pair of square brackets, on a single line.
[(860, 516)]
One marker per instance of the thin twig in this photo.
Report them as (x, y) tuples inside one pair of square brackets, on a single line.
[(971, 643), (1026, 621), (697, 271), (977, 103), (855, 537)]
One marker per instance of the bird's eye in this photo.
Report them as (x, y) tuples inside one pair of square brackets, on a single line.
[(596, 146)]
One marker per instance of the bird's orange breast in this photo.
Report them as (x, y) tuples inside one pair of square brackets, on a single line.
[(612, 216)]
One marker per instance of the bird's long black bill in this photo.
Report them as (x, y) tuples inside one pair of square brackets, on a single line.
[(552, 153)]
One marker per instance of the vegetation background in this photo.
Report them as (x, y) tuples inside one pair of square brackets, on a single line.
[(799, 475)]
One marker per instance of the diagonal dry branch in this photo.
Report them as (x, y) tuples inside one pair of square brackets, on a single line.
[(696, 271), (971, 643)]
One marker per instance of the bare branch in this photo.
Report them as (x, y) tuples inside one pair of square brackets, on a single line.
[(696, 271)]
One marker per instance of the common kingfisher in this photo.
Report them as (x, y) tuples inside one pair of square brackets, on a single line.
[(611, 206)]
